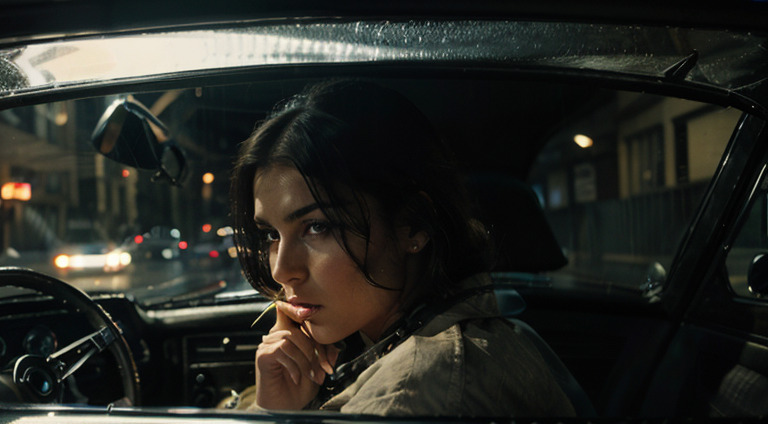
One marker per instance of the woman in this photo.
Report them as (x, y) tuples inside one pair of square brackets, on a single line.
[(350, 214)]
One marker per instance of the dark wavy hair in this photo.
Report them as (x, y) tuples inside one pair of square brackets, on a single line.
[(357, 140)]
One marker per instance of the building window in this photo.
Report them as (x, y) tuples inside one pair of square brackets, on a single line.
[(646, 160), (700, 139)]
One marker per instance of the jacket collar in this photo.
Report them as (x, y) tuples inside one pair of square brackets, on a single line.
[(473, 299)]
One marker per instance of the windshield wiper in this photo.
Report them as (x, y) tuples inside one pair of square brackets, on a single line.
[(681, 69), (205, 296)]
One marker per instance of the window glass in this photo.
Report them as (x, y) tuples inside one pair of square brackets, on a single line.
[(612, 178), (106, 227), (621, 183)]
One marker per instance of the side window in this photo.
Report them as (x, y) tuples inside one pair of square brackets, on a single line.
[(747, 260), (620, 184)]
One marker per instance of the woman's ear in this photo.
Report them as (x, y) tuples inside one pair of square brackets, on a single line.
[(412, 241)]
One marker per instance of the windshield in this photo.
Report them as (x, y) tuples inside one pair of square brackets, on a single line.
[(596, 163), (107, 227)]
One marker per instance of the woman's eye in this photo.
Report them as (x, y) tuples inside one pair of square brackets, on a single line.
[(269, 236), (317, 228)]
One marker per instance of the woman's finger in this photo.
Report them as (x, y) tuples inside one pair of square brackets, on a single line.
[(300, 336), (291, 328), (299, 357), (286, 315), (300, 349), (293, 359), (275, 336), (293, 369), (270, 354)]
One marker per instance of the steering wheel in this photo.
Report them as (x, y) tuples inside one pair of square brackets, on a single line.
[(39, 379)]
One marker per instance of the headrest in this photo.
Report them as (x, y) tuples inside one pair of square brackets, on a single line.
[(515, 220)]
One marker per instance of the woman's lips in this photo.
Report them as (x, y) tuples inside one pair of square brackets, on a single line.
[(304, 310)]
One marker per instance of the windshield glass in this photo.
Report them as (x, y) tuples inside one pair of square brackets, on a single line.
[(595, 162), (108, 227)]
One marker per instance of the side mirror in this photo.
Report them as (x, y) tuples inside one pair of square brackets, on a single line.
[(655, 277), (757, 276), (130, 134)]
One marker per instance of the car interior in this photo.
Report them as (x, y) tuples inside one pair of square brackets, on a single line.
[(626, 261)]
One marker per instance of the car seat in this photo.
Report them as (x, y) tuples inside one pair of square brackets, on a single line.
[(579, 399)]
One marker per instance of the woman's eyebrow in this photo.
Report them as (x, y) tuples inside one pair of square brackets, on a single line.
[(298, 213), (293, 216)]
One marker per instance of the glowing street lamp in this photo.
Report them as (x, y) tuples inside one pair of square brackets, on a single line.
[(10, 193), (582, 140), (16, 191)]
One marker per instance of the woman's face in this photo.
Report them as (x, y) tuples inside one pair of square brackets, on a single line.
[(322, 284)]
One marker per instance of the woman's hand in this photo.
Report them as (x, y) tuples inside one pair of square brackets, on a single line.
[(290, 365)]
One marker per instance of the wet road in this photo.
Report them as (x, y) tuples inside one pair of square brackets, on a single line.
[(146, 281)]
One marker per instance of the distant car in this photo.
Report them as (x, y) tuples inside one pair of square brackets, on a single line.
[(91, 257), (212, 249), (158, 244), (85, 251)]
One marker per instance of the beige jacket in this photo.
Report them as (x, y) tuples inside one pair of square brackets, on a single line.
[(466, 362)]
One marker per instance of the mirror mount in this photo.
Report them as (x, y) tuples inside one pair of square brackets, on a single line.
[(172, 167)]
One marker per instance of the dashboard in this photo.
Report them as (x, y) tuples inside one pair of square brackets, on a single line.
[(189, 356)]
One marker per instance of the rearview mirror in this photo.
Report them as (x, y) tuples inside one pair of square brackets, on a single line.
[(130, 134)]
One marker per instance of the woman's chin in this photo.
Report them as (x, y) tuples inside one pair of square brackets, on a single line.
[(323, 335)]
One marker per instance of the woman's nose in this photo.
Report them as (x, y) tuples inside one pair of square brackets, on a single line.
[(288, 263)]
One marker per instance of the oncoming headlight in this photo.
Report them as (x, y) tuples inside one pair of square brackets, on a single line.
[(61, 261)]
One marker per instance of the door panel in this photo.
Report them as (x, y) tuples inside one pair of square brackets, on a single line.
[(611, 348)]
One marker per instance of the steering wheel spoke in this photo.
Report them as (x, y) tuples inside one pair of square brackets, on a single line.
[(68, 359)]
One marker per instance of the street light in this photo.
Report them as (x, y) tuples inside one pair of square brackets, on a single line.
[(16, 191), (10, 209), (207, 186), (582, 140)]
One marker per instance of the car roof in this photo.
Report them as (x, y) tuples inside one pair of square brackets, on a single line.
[(25, 18), (717, 61)]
